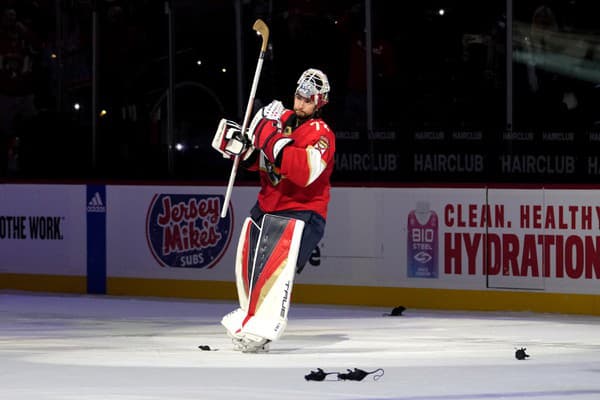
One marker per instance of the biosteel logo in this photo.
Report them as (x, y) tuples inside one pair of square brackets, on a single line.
[(187, 231)]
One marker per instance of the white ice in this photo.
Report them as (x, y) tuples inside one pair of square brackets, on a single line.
[(107, 348)]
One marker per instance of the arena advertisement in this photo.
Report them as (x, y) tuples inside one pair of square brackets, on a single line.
[(174, 232), (526, 239), (467, 238), (43, 229), (185, 230), (422, 238)]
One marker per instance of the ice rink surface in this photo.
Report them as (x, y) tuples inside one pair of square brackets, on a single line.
[(109, 348)]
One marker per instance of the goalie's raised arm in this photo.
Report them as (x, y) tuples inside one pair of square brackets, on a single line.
[(266, 131)]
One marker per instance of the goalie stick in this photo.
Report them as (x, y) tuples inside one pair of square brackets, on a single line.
[(262, 29)]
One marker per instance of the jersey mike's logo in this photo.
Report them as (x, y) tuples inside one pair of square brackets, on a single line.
[(187, 231)]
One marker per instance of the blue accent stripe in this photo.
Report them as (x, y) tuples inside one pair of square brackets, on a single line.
[(96, 239)]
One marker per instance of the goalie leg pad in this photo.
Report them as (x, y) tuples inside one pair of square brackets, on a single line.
[(233, 323), (272, 277), (243, 271), (244, 260)]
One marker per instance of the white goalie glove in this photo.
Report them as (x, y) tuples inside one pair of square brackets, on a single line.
[(266, 131), (271, 111), (230, 142)]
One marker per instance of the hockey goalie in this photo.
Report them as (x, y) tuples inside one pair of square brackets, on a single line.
[(293, 151)]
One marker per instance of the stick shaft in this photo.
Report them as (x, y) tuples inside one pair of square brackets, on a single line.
[(236, 163), (260, 27)]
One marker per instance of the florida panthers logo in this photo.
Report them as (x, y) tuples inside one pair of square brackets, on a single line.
[(187, 231)]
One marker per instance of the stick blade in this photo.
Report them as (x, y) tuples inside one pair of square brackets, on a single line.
[(261, 28)]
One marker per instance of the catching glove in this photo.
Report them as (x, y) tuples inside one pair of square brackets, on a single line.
[(265, 131)]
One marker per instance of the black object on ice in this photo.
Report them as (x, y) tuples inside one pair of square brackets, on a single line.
[(206, 348), (520, 354), (396, 312), (359, 374), (351, 375), (318, 375)]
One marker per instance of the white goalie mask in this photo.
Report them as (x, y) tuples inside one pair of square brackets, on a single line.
[(314, 85)]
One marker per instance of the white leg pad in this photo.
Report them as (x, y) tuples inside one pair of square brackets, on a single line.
[(243, 270), (233, 323), (272, 277), (244, 261)]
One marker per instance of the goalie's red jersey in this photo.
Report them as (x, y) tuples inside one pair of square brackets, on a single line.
[(302, 182)]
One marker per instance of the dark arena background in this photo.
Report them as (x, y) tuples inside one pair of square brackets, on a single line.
[(133, 90)]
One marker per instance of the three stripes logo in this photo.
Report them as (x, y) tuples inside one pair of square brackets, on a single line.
[(96, 204)]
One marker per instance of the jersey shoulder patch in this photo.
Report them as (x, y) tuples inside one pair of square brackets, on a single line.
[(322, 144)]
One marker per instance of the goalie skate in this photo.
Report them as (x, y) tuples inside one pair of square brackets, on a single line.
[(255, 344), (246, 345)]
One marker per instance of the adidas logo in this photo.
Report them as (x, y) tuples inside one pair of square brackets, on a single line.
[(95, 204)]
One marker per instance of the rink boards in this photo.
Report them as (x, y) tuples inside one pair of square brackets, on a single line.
[(471, 248)]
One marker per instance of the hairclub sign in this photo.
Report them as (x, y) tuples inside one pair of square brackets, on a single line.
[(186, 231)]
